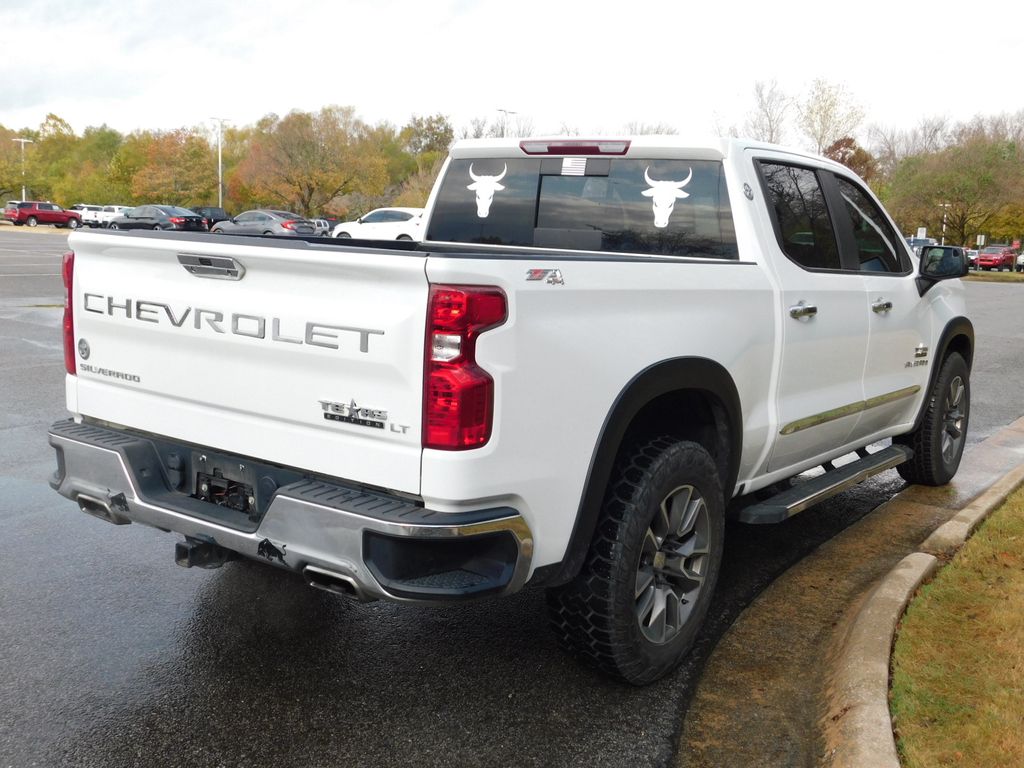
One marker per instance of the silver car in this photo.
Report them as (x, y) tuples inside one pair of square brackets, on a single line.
[(266, 221)]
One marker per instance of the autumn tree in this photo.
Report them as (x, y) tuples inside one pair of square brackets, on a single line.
[(10, 163), (890, 146), (827, 114), (767, 120), (428, 134), (416, 189), (176, 170), (976, 185), (853, 156), (86, 178), (304, 160)]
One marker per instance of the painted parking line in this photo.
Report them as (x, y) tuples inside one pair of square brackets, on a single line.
[(32, 274)]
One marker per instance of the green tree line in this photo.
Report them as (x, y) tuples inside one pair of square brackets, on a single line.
[(966, 178), (329, 162)]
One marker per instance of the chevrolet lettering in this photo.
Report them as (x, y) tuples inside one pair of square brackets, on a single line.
[(600, 351), (240, 324)]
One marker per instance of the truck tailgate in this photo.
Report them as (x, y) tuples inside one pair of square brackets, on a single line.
[(311, 358)]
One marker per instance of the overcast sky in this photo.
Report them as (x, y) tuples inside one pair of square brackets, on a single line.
[(594, 66)]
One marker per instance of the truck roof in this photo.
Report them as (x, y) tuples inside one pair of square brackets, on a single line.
[(695, 145)]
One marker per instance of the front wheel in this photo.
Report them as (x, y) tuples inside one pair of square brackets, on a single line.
[(403, 237), (939, 440), (636, 606), (73, 224), (113, 226), (343, 234)]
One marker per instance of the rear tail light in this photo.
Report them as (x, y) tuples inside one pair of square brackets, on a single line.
[(458, 395), (67, 271), (289, 224), (176, 220)]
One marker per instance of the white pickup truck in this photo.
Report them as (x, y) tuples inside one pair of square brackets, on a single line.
[(89, 213), (601, 350)]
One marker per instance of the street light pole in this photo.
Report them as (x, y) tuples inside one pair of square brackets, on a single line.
[(23, 142), (504, 120), (220, 162)]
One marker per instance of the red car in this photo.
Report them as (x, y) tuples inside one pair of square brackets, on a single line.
[(997, 257), (33, 213)]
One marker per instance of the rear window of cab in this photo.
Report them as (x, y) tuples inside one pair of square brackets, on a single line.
[(620, 205)]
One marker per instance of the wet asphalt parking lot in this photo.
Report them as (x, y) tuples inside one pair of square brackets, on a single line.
[(111, 655)]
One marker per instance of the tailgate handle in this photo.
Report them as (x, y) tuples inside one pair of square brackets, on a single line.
[(217, 267)]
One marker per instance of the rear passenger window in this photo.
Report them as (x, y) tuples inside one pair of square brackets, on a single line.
[(802, 223), (877, 243), (670, 207)]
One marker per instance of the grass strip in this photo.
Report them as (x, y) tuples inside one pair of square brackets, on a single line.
[(957, 689), (982, 276)]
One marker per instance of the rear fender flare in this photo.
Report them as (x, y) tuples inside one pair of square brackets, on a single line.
[(668, 376)]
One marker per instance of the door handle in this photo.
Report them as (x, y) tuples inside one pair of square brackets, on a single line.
[(881, 306), (803, 310)]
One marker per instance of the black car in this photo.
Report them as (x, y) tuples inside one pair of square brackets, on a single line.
[(212, 214), (160, 217)]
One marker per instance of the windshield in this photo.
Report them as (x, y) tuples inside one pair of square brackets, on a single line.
[(623, 205)]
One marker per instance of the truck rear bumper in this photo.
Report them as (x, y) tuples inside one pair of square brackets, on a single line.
[(342, 538)]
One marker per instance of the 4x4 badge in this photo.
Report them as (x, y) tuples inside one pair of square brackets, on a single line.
[(550, 276)]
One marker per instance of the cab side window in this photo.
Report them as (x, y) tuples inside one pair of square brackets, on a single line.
[(800, 214), (878, 248)]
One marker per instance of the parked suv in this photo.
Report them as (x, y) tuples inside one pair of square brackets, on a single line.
[(997, 257), (34, 213)]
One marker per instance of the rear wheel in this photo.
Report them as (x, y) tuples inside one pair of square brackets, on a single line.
[(939, 441), (403, 237), (113, 226), (636, 606), (155, 227), (32, 221)]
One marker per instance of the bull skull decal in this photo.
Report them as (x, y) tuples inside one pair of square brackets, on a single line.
[(664, 195), (485, 187)]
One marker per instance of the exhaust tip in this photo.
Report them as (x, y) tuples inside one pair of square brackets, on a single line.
[(335, 583), (101, 509)]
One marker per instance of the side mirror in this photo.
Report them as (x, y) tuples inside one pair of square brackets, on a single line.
[(938, 263)]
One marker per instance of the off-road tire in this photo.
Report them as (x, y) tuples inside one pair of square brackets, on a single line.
[(598, 616), (939, 440)]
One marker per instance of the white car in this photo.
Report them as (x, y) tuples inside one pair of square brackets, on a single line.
[(385, 224), (109, 213), (1020, 262)]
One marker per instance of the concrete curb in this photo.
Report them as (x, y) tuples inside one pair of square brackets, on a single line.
[(858, 724), (950, 536)]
